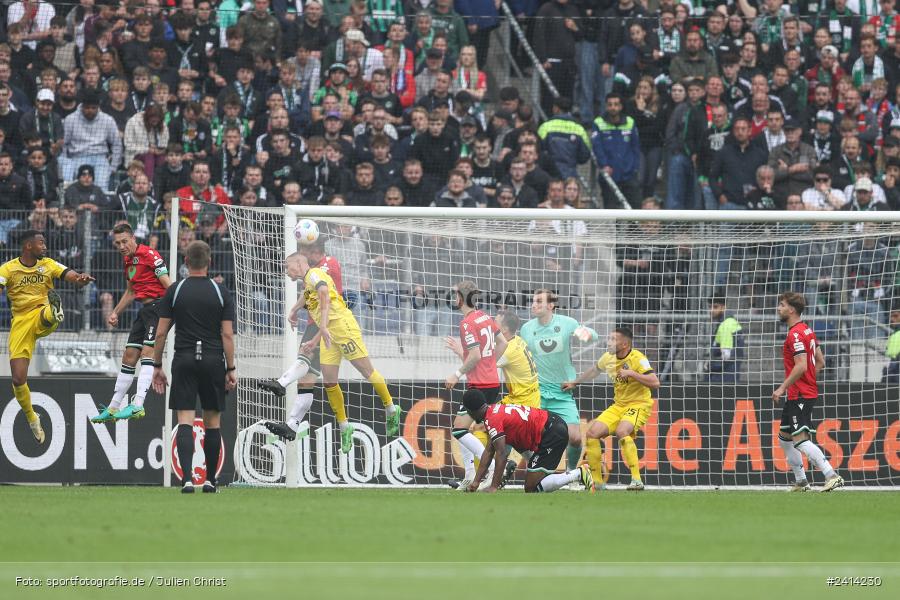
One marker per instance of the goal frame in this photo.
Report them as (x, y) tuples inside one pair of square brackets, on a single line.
[(293, 213)]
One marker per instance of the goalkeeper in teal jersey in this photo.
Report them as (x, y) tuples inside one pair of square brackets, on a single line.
[(548, 336)]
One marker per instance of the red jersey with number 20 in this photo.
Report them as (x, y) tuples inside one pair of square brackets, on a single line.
[(523, 426), (801, 340), (479, 329), (143, 270)]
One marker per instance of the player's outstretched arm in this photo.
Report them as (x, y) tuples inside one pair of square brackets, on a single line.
[(586, 376), (79, 279)]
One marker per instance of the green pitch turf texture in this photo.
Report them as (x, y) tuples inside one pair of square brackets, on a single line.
[(429, 544)]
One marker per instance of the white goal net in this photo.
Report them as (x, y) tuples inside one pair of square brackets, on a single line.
[(714, 423)]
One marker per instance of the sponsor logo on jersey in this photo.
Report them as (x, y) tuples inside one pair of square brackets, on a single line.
[(30, 279), (547, 346)]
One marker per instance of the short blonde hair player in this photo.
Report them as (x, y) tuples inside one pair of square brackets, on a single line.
[(633, 384)]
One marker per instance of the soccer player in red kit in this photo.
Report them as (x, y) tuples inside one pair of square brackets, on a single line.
[(148, 278), (482, 343), (543, 433), (803, 358)]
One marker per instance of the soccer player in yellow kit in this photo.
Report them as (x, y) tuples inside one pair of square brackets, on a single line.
[(339, 337), (36, 311), (633, 382)]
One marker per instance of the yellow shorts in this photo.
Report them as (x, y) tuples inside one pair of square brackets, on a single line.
[(533, 400), (25, 331), (636, 415), (346, 342)]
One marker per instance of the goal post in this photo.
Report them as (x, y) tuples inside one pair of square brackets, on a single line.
[(655, 272)]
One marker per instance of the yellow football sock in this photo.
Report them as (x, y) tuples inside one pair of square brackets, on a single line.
[(593, 451), (483, 438), (381, 388), (630, 456), (336, 400), (23, 395)]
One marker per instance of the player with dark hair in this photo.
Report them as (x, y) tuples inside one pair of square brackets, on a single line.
[(538, 431), (147, 280), (633, 383), (482, 343), (803, 359), (36, 311)]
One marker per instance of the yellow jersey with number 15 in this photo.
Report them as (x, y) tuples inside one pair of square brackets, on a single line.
[(520, 374), (628, 392), (27, 287), (314, 279)]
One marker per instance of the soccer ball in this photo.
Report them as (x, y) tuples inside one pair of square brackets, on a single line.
[(306, 231)]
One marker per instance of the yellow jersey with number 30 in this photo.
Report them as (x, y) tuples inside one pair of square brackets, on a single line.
[(27, 287), (520, 374), (628, 392), (314, 279)]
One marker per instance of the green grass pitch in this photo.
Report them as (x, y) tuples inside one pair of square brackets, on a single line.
[(426, 544)]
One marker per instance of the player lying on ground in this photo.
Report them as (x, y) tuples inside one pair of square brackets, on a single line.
[(483, 343), (633, 381), (519, 374), (147, 279), (543, 433), (803, 359), (338, 338), (549, 337), (36, 311), (307, 369)]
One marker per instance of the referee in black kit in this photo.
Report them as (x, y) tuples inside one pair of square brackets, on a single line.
[(203, 363)]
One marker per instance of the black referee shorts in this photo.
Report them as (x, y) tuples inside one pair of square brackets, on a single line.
[(315, 367), (143, 330), (192, 378), (554, 439)]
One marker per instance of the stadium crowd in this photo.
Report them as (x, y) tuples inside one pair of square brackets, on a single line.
[(118, 109)]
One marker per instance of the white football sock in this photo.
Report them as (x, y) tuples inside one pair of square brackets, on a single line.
[(145, 378), (551, 483), (471, 446), (816, 458), (298, 369), (120, 391), (390, 409), (794, 459), (299, 410)]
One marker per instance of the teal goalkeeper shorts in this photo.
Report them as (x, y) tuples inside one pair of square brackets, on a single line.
[(567, 409)]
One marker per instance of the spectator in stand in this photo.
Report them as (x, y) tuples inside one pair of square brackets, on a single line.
[(467, 77), (564, 140), (91, 138), (734, 167), (318, 177), (824, 140), (363, 191), (173, 174), (861, 198), (773, 134), (230, 161), (844, 167), (869, 277), (793, 161), (83, 194), (556, 32), (647, 110), (42, 180), (760, 196), (456, 195), (146, 138), (891, 184), (444, 18), (139, 208), (417, 189), (438, 149), (616, 147), (821, 196), (261, 30), (681, 180), (191, 197), (867, 125), (15, 195), (694, 62), (44, 122), (713, 141), (526, 196)]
